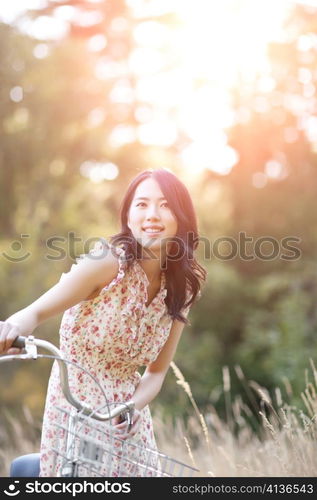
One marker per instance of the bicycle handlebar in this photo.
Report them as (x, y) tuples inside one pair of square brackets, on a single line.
[(31, 343), (19, 342)]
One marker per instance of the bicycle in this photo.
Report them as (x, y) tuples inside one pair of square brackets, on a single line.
[(88, 449)]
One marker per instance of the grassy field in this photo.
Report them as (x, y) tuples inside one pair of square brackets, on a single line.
[(285, 446)]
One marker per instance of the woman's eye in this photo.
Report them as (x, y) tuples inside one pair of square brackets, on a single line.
[(143, 204)]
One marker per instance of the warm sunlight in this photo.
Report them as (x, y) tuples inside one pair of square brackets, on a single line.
[(187, 67), (187, 59)]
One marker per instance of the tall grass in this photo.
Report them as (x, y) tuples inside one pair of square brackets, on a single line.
[(18, 436), (285, 444)]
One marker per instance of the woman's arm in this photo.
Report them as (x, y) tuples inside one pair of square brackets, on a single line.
[(78, 284), (152, 379), (154, 375)]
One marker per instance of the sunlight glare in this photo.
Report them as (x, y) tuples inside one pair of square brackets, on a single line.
[(188, 58), (187, 68)]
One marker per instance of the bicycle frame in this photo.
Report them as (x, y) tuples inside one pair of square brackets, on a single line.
[(30, 344), (93, 450)]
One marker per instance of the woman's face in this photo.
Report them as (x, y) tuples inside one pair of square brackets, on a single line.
[(150, 219)]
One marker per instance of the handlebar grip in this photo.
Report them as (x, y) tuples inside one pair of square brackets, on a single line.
[(19, 342)]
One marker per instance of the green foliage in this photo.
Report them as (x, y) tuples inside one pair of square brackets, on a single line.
[(258, 314)]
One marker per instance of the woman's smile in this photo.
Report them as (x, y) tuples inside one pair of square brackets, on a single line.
[(150, 218)]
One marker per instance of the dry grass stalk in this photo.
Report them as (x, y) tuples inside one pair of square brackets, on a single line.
[(185, 385), (190, 452)]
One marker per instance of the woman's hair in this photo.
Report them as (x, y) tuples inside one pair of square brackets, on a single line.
[(183, 272)]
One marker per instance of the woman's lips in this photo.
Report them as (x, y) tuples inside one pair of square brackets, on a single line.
[(153, 230)]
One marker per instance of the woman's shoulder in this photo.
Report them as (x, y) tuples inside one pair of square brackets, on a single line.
[(109, 256), (102, 263), (103, 250)]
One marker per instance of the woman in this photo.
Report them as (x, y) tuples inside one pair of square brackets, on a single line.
[(125, 307)]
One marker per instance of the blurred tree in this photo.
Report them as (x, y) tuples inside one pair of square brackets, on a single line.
[(65, 106), (263, 316)]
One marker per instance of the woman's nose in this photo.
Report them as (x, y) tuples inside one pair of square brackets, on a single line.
[(152, 213)]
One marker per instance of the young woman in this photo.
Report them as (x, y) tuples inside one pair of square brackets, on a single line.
[(125, 304)]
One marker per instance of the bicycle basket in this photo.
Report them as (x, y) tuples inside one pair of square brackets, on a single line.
[(90, 448)]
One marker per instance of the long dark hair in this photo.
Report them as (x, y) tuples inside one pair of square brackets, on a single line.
[(183, 272)]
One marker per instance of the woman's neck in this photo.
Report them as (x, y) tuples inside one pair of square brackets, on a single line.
[(152, 269)]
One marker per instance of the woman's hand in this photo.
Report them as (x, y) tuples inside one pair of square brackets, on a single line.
[(8, 333), (121, 427), (21, 323)]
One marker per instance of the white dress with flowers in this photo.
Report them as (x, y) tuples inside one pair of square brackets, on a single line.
[(111, 336)]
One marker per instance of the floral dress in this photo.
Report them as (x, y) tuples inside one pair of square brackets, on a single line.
[(110, 336)]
